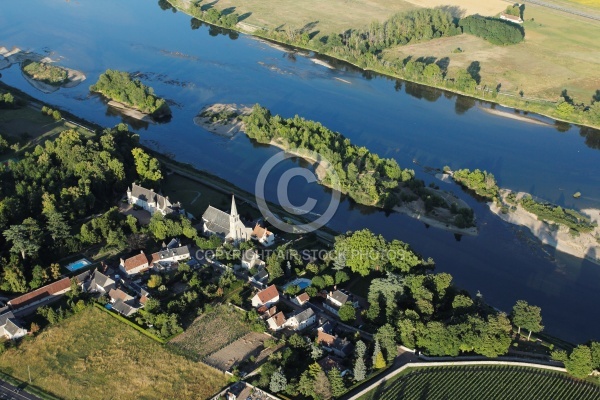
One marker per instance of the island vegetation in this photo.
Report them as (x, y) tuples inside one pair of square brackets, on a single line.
[(364, 176), (45, 72), (482, 183), (570, 218), (119, 86)]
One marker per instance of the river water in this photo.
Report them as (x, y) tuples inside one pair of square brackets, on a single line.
[(193, 65)]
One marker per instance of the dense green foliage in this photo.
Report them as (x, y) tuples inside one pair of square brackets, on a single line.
[(207, 13), (119, 86), (527, 316), (485, 382), (494, 30), (45, 72), (482, 183), (364, 176), (545, 211), (7, 100)]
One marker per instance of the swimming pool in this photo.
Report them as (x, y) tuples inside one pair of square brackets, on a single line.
[(302, 283), (74, 266)]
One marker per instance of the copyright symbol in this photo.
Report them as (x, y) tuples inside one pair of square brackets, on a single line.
[(325, 173)]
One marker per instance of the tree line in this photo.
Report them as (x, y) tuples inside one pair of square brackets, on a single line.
[(494, 30), (119, 86), (205, 13)]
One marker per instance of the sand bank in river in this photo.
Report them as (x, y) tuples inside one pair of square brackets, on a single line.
[(585, 245), (17, 56), (512, 115), (229, 127), (131, 112)]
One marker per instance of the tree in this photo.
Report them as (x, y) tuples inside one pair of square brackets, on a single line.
[(360, 369), (322, 385), (316, 352), (25, 238), (528, 317), (13, 278), (278, 381), (336, 382), (347, 312), (75, 289), (35, 328), (292, 290), (39, 277), (147, 167), (564, 110), (57, 227), (579, 363), (595, 349), (461, 301), (55, 271), (378, 360), (341, 277), (154, 281), (386, 336)]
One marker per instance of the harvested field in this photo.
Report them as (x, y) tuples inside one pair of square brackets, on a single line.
[(212, 331), (236, 352)]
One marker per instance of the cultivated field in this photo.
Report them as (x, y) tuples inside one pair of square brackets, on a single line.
[(211, 332), (94, 356), (236, 352), (560, 51), (484, 382)]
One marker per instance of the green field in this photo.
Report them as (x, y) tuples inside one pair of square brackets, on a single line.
[(94, 356), (484, 382)]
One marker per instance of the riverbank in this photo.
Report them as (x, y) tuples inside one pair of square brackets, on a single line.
[(582, 245), (17, 56), (542, 105), (517, 117), (131, 112), (226, 120)]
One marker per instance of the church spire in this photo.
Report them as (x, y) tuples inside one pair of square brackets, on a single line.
[(233, 207)]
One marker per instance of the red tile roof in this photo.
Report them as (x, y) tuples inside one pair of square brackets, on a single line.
[(326, 338), (303, 298), (135, 261), (41, 293), (279, 319), (268, 294)]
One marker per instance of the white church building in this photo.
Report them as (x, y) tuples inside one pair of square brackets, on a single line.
[(228, 226), (151, 201)]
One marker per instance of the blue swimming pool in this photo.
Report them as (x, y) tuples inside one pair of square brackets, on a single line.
[(302, 283), (74, 266)]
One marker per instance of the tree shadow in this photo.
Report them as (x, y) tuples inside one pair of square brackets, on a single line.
[(463, 104), (455, 11), (195, 23), (565, 95), (164, 5), (309, 26), (443, 63), (596, 96), (427, 60), (227, 11), (208, 6), (592, 137), (244, 16), (474, 69), (312, 35)]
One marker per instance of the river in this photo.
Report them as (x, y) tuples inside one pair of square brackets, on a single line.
[(193, 65)]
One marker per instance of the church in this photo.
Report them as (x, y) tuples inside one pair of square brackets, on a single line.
[(227, 226)]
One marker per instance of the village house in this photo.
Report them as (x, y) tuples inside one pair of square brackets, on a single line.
[(511, 18), (151, 201), (29, 302), (266, 297), (330, 362), (332, 343), (263, 235), (229, 227), (277, 322), (134, 265), (122, 303), (168, 256), (260, 277), (10, 327), (250, 260), (99, 283), (301, 320), (301, 299), (266, 312), (335, 300)]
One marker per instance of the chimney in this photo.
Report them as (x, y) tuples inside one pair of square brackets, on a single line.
[(141, 251)]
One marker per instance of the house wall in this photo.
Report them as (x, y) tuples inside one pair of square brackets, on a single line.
[(134, 271)]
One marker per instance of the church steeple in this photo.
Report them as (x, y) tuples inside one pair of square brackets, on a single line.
[(234, 212)]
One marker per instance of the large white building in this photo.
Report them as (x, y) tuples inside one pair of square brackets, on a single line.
[(228, 226), (151, 201)]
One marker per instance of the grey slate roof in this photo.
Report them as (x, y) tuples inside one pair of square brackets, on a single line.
[(101, 280), (177, 251), (261, 275), (304, 315), (216, 221), (123, 308), (12, 327), (340, 297), (150, 196), (5, 316), (175, 242)]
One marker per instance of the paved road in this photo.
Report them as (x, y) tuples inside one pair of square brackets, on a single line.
[(10, 392), (562, 8)]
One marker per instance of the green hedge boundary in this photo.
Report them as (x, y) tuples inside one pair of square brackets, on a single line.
[(128, 322)]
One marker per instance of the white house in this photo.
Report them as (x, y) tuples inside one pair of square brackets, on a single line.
[(266, 297), (301, 299), (100, 283), (301, 320), (227, 226), (511, 18), (10, 327), (250, 260), (152, 201), (263, 235), (335, 300), (134, 265), (168, 256), (122, 302), (277, 322)]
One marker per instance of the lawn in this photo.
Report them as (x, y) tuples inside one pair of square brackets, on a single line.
[(29, 127), (212, 331), (483, 382), (560, 51), (94, 356)]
